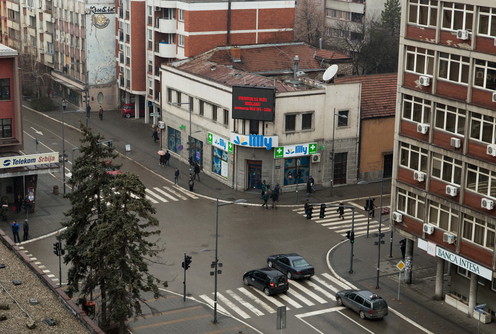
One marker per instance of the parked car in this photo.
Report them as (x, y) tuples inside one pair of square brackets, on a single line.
[(269, 280), (292, 265), (128, 109), (366, 303)]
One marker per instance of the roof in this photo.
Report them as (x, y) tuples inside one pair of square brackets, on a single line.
[(5, 51), (378, 96)]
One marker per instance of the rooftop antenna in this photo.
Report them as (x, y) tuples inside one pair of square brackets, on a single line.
[(330, 73)]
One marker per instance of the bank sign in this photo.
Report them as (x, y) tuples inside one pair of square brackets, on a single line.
[(293, 151), (255, 141), (29, 160), (464, 263), (219, 142)]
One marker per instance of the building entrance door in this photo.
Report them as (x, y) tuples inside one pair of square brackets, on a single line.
[(340, 166), (254, 178)]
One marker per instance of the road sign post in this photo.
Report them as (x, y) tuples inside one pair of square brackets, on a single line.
[(400, 265)]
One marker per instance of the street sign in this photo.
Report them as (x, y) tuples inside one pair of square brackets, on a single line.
[(400, 265), (154, 114), (293, 151)]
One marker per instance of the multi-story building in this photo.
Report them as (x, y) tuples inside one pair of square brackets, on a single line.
[(444, 175), (152, 33)]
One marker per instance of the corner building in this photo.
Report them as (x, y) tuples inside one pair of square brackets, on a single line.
[(444, 174)]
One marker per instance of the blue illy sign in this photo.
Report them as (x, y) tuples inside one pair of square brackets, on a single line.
[(256, 141)]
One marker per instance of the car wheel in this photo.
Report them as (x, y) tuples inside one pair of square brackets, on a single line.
[(339, 301), (246, 281), (128, 115), (267, 291), (269, 264), (289, 275), (362, 315)]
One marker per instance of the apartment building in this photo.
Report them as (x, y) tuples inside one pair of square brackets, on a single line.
[(152, 33), (444, 173)]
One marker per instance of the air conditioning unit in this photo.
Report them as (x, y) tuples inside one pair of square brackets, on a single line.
[(424, 80), (487, 203), (451, 190), (491, 150), (315, 157), (397, 217), (428, 228), (456, 142), (493, 96), (419, 176), (422, 128), (161, 125), (462, 34), (449, 238)]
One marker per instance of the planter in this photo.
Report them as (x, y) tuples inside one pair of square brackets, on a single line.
[(462, 306)]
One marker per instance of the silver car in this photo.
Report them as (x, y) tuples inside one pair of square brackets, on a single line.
[(366, 303)]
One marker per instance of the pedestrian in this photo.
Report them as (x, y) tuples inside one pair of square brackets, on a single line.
[(191, 182), (64, 104), (264, 189), (100, 113), (275, 196), (265, 198), (197, 171), (307, 204), (18, 203), (310, 182), (88, 111), (340, 210), (161, 160), (176, 176), (167, 158), (25, 228), (403, 248), (372, 208), (155, 135), (15, 231)]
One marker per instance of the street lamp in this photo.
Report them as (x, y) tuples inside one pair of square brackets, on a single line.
[(332, 152), (215, 264), (379, 236)]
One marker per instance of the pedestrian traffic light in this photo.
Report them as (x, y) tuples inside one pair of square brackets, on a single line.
[(187, 261), (56, 248), (350, 235), (322, 210), (309, 211)]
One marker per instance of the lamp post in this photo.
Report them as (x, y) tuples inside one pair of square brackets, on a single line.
[(87, 97), (215, 264), (333, 150), (379, 236)]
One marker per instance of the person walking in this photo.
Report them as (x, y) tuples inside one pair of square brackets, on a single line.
[(25, 228), (191, 182), (340, 210), (155, 135), (310, 182), (305, 207), (275, 196), (161, 160), (15, 231), (197, 171), (265, 198), (167, 158), (264, 189), (176, 176), (403, 248), (100, 113)]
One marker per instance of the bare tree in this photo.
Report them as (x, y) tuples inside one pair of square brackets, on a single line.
[(309, 21)]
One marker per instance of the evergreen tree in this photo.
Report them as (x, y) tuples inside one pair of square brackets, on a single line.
[(107, 236), (391, 17)]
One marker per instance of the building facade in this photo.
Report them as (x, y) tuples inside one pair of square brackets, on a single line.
[(444, 175), (212, 115)]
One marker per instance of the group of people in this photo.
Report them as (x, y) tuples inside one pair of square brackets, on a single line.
[(164, 159), (269, 192), (15, 227)]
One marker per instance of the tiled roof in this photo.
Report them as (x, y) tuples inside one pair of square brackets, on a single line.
[(378, 96)]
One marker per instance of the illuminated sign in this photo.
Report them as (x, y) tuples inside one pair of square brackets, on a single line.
[(29, 160), (255, 103), (292, 151), (256, 141), (219, 142)]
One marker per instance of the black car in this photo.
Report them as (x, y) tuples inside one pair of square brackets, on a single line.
[(367, 304), (292, 265), (270, 281)]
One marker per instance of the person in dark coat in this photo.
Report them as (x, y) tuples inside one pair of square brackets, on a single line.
[(275, 196), (25, 228), (167, 158), (155, 135), (403, 248), (191, 182), (176, 176), (310, 185), (15, 231), (197, 171), (100, 113), (265, 198), (307, 203), (340, 210)]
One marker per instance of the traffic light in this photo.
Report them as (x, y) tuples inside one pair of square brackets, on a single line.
[(56, 248), (309, 211), (350, 235), (322, 210), (187, 261)]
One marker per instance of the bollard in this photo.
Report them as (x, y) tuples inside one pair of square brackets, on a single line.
[(55, 190)]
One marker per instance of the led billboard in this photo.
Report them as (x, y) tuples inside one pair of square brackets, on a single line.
[(256, 103)]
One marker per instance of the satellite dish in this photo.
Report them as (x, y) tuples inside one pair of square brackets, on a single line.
[(330, 72)]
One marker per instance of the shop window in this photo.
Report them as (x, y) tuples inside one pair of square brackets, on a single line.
[(296, 170), (173, 139), (220, 162)]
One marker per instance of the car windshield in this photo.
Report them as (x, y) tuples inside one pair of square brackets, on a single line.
[(280, 279), (300, 263), (379, 304)]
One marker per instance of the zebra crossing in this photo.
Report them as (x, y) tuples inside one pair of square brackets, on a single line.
[(341, 226), (40, 265), (248, 302), (166, 194)]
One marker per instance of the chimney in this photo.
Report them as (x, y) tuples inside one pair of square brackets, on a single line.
[(296, 62), (235, 53)]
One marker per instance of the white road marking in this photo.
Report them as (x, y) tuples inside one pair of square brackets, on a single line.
[(149, 192), (151, 199), (165, 194), (308, 292), (270, 299), (231, 306), (240, 300), (290, 301), (256, 300)]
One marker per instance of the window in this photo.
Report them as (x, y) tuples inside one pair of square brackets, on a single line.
[(180, 40), (342, 118), (443, 216), (479, 231), (487, 21), (173, 139), (4, 89), (306, 121), (420, 61), (481, 180), (169, 95), (450, 119), (413, 157), (296, 170), (6, 128), (485, 74), (457, 16), (226, 117), (180, 15), (214, 113), (178, 98), (416, 109), (423, 12), (453, 67), (482, 128), (254, 126), (220, 162), (290, 123), (446, 168), (202, 108), (411, 204)]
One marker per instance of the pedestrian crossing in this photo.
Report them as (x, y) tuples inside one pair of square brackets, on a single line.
[(341, 226), (166, 194), (247, 302)]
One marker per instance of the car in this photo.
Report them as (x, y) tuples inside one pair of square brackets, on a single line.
[(366, 303), (128, 109), (271, 281), (292, 265)]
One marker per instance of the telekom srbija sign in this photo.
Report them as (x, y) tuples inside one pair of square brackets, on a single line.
[(29, 160)]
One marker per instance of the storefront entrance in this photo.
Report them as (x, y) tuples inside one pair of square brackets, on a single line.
[(254, 175)]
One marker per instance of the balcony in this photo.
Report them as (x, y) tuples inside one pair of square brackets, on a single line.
[(167, 26), (166, 50)]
